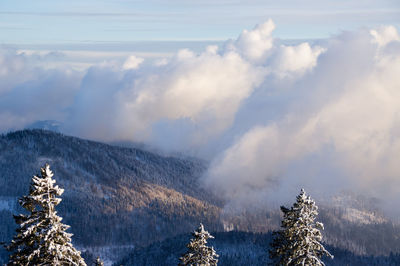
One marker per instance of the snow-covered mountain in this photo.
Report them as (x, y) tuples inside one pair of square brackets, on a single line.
[(118, 198), (113, 195)]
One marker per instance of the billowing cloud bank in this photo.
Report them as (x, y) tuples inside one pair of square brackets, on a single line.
[(339, 128), (271, 117)]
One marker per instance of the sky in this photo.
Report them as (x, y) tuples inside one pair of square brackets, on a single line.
[(92, 31), (91, 21), (275, 96)]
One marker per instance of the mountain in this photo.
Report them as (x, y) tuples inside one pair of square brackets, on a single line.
[(113, 195), (123, 199)]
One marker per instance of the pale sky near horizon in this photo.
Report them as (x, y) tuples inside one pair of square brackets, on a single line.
[(49, 22)]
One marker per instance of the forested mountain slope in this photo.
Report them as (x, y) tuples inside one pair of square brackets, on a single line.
[(113, 195), (117, 198)]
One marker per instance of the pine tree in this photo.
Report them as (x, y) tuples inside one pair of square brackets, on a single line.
[(98, 262), (298, 243), (199, 253), (41, 238)]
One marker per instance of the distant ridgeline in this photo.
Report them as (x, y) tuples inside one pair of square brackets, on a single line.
[(52, 125), (118, 197)]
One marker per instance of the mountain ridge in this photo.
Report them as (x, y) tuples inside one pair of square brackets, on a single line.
[(119, 196), (113, 195)]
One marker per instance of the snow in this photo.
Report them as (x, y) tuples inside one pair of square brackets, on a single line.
[(362, 217), (299, 240), (358, 210), (108, 254), (228, 227), (199, 253)]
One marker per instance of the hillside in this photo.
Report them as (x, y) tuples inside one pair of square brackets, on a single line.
[(113, 195), (118, 199)]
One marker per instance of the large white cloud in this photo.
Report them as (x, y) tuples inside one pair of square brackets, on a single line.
[(385, 35), (29, 93), (295, 60), (205, 90), (255, 44), (13, 69), (341, 131), (270, 116)]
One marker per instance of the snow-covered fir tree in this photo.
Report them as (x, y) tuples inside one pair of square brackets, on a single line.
[(41, 238), (98, 262), (199, 253), (299, 240)]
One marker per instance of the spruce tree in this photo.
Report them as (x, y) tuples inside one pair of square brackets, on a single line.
[(298, 242), (199, 253), (41, 238), (98, 262)]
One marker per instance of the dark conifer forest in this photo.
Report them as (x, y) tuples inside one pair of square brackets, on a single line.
[(133, 207)]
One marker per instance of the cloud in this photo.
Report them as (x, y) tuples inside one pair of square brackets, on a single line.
[(255, 44), (12, 65), (291, 60), (385, 35), (29, 93), (205, 90), (340, 131), (271, 118), (132, 62)]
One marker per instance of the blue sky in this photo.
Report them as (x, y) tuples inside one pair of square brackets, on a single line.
[(27, 22)]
